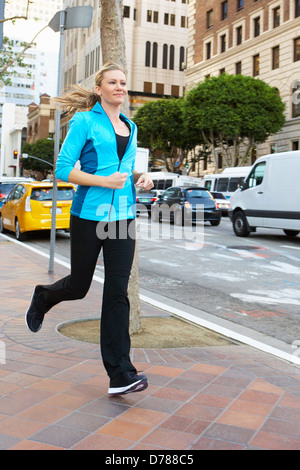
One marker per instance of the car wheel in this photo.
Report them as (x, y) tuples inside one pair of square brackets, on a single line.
[(2, 229), (215, 223), (240, 224), (291, 233), (19, 236)]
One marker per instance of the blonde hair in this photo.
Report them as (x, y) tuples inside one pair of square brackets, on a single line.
[(81, 99)]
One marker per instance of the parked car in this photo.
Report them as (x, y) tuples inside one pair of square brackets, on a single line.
[(144, 200), (222, 202), (8, 183), (180, 204), (28, 207)]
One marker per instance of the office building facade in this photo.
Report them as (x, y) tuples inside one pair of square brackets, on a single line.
[(256, 38)]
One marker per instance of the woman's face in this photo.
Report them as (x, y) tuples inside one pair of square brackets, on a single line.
[(113, 88)]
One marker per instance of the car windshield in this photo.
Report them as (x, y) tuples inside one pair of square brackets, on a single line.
[(45, 194), (192, 193), (218, 195)]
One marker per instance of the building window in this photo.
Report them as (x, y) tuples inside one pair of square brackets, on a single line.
[(152, 16), (224, 10), (154, 55), (239, 35), (175, 90), (97, 65), (148, 54), (295, 145), (209, 19), (166, 19), (256, 65), (165, 57), (221, 71), (238, 68), (159, 88), (208, 50), (275, 57), (126, 12), (276, 17), (297, 8), (256, 22), (92, 63), (87, 66), (181, 59), (220, 160), (171, 58), (147, 87), (183, 21), (296, 49), (240, 4), (223, 43), (296, 99)]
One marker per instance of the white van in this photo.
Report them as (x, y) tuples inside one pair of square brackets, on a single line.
[(163, 180), (269, 196), (228, 181)]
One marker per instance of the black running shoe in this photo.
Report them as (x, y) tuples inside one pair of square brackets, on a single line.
[(33, 317), (127, 382)]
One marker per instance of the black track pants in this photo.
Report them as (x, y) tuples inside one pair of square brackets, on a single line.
[(87, 239)]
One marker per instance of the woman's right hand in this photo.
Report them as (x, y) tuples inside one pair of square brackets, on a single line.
[(116, 180)]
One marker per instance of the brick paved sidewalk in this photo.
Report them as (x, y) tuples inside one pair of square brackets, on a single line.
[(54, 389)]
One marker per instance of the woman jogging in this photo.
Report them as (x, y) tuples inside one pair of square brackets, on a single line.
[(102, 214)]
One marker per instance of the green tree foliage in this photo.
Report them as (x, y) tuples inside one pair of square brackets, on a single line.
[(161, 128), (41, 148), (233, 113)]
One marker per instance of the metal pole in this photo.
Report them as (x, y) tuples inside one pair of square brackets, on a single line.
[(56, 141), (2, 8)]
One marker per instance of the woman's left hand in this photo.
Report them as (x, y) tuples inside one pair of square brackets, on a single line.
[(145, 181)]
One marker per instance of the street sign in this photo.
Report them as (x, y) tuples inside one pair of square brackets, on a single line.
[(76, 17)]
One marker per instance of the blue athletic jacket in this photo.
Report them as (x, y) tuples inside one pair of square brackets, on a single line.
[(91, 139)]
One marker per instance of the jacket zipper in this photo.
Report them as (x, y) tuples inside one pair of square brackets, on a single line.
[(113, 196)]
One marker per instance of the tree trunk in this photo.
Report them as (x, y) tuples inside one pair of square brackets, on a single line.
[(114, 50)]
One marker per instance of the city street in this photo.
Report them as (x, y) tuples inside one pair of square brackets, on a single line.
[(251, 281)]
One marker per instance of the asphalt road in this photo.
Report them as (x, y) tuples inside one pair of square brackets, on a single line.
[(251, 281)]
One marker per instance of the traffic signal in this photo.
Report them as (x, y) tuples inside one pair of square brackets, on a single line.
[(15, 154)]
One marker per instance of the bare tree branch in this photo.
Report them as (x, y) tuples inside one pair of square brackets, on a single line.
[(22, 52), (24, 17), (14, 18)]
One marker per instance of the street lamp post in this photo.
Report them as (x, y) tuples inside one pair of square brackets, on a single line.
[(25, 155), (75, 17)]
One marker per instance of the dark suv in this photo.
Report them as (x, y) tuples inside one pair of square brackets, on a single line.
[(180, 204)]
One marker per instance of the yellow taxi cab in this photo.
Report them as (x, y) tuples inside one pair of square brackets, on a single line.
[(28, 207)]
